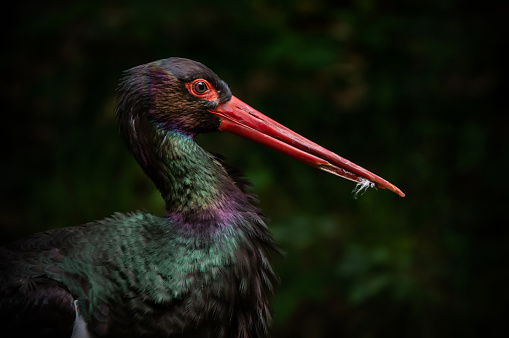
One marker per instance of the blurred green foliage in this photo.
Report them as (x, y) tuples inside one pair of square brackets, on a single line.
[(411, 91)]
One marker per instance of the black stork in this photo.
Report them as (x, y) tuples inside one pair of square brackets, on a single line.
[(201, 270)]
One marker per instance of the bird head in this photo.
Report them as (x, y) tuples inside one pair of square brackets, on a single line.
[(185, 96)]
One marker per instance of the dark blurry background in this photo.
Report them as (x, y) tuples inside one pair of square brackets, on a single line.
[(409, 91)]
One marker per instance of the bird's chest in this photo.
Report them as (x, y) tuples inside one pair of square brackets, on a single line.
[(190, 288)]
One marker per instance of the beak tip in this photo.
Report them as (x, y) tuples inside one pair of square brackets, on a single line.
[(392, 188), (399, 192)]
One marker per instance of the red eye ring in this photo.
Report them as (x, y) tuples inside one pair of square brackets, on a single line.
[(202, 89)]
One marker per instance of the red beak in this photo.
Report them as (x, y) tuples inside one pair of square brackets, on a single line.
[(240, 119)]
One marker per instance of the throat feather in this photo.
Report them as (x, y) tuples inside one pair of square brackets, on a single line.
[(196, 187)]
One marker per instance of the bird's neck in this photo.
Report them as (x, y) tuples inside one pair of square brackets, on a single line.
[(197, 189), (194, 181)]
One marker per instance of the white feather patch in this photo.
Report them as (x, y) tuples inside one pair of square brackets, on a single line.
[(80, 327), (362, 186)]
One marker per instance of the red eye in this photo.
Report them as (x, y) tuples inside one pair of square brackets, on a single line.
[(202, 89)]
